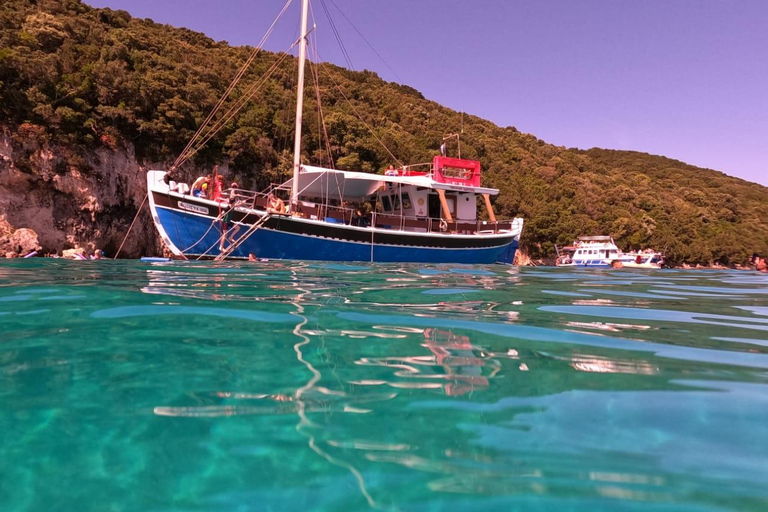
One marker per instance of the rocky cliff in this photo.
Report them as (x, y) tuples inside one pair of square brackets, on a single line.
[(52, 200)]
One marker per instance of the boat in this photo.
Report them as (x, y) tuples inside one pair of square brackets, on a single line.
[(602, 251), (422, 213)]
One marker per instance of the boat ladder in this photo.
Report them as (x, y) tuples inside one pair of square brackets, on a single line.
[(239, 241)]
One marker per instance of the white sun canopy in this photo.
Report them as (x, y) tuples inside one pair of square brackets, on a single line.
[(332, 183)]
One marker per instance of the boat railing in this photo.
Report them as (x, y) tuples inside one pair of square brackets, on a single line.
[(334, 214), (436, 225), (328, 213), (343, 215), (445, 170), (246, 198), (424, 169), (252, 199)]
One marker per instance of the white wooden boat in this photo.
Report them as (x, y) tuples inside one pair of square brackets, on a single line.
[(602, 251)]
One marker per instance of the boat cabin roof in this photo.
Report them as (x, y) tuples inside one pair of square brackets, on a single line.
[(601, 238), (322, 182), (601, 242)]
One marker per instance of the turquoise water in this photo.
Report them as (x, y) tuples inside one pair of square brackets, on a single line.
[(129, 386)]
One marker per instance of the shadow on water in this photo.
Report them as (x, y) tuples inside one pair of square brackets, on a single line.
[(425, 387)]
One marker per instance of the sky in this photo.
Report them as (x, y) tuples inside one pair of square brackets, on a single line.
[(687, 79)]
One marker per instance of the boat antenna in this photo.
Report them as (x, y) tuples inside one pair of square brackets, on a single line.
[(449, 137), (299, 105)]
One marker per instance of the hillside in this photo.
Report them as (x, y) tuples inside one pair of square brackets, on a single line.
[(91, 96)]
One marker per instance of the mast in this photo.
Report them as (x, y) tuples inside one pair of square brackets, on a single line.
[(299, 106)]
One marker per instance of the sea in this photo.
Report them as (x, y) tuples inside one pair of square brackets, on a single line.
[(297, 386)]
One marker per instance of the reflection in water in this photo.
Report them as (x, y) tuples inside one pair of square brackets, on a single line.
[(593, 302), (657, 314), (462, 362), (501, 387), (305, 426), (607, 326), (460, 366), (595, 364)]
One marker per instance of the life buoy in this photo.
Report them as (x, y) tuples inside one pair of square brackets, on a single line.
[(443, 225), (639, 259)]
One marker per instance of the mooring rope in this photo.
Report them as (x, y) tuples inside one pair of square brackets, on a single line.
[(131, 226)]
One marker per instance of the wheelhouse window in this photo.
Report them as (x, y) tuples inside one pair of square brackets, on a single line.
[(451, 200), (406, 201)]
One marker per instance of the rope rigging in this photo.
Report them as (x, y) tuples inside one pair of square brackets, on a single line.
[(362, 120), (193, 146), (337, 35), (237, 107), (364, 39), (322, 135), (138, 211), (220, 116), (209, 129), (338, 87)]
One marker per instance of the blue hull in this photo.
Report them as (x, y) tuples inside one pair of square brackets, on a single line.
[(194, 236)]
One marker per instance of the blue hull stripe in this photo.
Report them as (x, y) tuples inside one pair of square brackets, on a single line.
[(193, 235)]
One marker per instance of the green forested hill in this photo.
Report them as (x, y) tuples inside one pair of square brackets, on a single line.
[(78, 78)]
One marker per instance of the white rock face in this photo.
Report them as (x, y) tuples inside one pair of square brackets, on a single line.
[(55, 202)]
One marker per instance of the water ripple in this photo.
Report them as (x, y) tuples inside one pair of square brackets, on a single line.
[(295, 386)]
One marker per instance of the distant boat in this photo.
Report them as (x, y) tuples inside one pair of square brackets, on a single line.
[(425, 213), (602, 251)]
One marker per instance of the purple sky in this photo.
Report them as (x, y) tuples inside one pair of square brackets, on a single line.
[(687, 79)]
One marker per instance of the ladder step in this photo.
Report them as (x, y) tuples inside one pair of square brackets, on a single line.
[(237, 243)]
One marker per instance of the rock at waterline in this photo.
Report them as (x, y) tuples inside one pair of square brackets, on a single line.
[(22, 241)]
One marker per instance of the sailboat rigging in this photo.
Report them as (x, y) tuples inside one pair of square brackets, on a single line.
[(422, 213)]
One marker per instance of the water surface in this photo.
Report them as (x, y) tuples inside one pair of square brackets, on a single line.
[(196, 386)]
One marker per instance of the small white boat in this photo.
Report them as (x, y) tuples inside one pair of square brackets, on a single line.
[(602, 251)]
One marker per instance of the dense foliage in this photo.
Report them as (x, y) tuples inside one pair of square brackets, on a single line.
[(78, 78)]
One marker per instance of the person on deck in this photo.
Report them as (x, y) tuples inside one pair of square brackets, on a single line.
[(275, 204), (390, 171), (197, 186), (218, 186), (360, 219), (228, 229)]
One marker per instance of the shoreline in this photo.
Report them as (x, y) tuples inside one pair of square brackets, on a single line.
[(75, 255)]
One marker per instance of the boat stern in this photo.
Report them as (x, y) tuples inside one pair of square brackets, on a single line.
[(507, 255)]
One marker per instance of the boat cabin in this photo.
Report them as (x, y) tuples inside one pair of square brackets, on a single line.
[(600, 251), (443, 196)]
